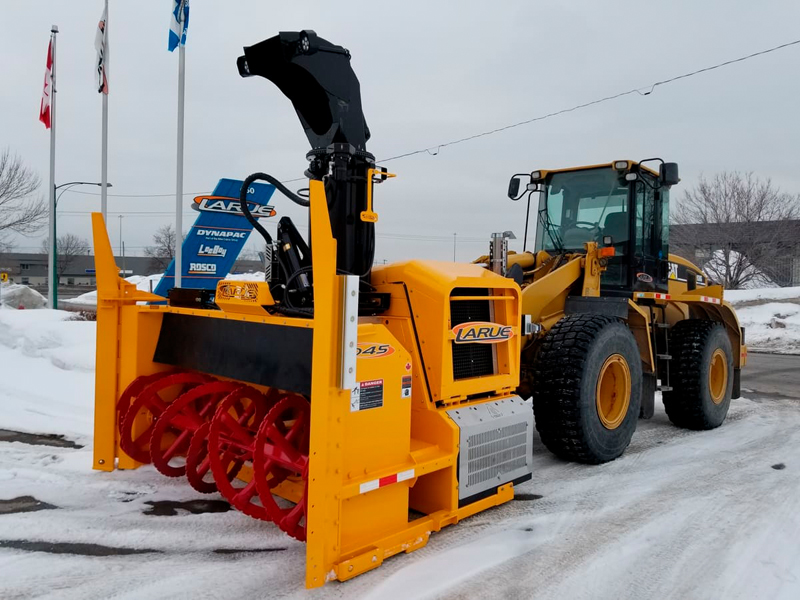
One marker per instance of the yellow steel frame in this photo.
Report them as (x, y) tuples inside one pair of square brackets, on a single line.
[(354, 521)]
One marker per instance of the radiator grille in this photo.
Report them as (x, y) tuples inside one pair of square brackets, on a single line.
[(495, 452), (471, 360), (495, 444)]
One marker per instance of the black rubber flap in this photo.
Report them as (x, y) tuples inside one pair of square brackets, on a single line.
[(261, 353)]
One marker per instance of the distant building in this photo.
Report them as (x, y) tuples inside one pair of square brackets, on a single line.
[(778, 241)]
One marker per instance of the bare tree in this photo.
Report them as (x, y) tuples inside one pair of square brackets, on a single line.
[(743, 225), (68, 246), (162, 251), (20, 212)]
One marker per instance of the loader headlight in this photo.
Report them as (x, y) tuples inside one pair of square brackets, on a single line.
[(536, 175), (621, 165)]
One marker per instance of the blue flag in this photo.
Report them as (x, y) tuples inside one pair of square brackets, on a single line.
[(178, 24)]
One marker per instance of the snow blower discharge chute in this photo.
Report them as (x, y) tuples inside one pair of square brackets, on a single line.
[(358, 409)]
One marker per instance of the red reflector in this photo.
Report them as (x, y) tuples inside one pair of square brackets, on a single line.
[(604, 252)]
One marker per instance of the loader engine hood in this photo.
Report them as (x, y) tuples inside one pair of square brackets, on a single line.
[(317, 77)]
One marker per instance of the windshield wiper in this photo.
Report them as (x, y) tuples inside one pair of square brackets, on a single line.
[(552, 233)]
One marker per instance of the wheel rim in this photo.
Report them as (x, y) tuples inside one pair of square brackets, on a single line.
[(613, 391), (718, 376)]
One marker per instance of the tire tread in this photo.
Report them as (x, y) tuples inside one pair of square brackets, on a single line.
[(558, 372), (687, 343)]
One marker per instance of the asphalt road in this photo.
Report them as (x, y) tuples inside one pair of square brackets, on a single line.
[(772, 375)]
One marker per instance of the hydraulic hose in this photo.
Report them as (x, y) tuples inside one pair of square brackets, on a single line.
[(280, 187)]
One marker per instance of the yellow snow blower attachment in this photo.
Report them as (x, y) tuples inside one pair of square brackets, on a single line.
[(357, 409)]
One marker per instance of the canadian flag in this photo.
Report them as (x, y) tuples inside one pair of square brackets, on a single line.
[(101, 45), (44, 109)]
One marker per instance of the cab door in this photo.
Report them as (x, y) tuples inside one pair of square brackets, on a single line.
[(649, 267)]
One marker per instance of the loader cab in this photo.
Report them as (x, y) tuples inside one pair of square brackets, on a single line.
[(624, 205)]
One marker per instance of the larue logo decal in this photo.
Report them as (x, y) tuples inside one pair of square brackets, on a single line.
[(644, 277), (231, 206), (482, 332), (373, 350), (247, 292)]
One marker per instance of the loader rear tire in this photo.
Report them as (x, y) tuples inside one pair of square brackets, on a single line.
[(701, 374), (587, 388)]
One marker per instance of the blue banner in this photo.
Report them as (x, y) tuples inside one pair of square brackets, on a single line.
[(218, 235)]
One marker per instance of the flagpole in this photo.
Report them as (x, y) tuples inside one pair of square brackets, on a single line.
[(104, 151), (52, 281), (179, 177)]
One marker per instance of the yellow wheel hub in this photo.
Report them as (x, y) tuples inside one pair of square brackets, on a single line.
[(718, 376), (613, 391)]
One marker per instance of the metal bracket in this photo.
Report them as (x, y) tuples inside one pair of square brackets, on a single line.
[(347, 377)]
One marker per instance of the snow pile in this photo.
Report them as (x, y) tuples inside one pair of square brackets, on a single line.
[(760, 295), (16, 295), (772, 327), (146, 283), (47, 369), (770, 316)]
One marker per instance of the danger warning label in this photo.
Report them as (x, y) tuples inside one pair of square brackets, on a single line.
[(367, 394), (405, 387)]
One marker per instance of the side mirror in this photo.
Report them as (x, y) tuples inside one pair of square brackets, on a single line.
[(518, 181), (668, 174)]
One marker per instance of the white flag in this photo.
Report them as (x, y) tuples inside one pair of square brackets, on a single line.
[(101, 45)]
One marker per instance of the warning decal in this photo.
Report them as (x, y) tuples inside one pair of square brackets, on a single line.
[(368, 394), (405, 387)]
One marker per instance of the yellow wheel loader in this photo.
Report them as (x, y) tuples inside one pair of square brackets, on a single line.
[(610, 315)]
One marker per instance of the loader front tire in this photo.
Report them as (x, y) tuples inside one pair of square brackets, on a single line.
[(587, 388), (701, 374)]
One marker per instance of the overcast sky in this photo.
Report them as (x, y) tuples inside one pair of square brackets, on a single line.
[(430, 72)]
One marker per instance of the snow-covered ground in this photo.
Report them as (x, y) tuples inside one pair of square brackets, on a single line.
[(681, 515)]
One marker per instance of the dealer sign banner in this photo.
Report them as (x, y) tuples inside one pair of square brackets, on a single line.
[(218, 235)]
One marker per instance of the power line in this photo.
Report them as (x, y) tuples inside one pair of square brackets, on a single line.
[(434, 150), (172, 195)]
